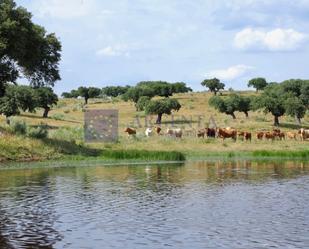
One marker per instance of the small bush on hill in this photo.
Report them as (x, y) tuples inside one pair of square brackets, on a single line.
[(39, 132), (18, 127), (71, 134)]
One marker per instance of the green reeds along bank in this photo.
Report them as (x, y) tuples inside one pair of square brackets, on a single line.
[(144, 155), (285, 154)]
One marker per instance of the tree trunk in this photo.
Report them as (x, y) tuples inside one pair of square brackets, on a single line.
[(8, 121), (215, 92), (86, 101), (46, 111), (276, 121), (247, 114), (298, 120), (233, 115), (159, 118)]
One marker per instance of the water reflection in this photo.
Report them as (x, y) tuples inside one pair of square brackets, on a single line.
[(193, 205)]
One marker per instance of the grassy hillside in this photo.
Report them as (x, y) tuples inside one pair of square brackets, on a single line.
[(66, 132)]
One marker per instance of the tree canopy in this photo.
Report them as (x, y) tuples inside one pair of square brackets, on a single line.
[(162, 106), (229, 105), (257, 83), (142, 102), (115, 91), (135, 93), (45, 98), (26, 48), (16, 99), (296, 97), (151, 89), (88, 92), (272, 100), (214, 85)]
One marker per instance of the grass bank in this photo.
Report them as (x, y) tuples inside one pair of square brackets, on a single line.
[(20, 148), (258, 154)]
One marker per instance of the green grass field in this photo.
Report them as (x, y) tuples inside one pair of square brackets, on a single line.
[(66, 134)]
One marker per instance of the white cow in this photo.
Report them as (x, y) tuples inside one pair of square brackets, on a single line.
[(174, 132), (148, 132), (304, 134)]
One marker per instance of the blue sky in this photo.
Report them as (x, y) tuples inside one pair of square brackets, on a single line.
[(122, 42)]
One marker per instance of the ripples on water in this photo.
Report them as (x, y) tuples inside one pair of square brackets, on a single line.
[(197, 205)]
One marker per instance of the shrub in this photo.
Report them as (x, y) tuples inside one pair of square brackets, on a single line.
[(71, 134), (39, 132), (18, 127), (66, 111)]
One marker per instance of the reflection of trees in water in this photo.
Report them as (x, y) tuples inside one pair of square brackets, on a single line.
[(27, 214), (4, 240), (27, 210)]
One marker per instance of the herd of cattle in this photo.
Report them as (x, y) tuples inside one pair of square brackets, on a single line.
[(224, 133)]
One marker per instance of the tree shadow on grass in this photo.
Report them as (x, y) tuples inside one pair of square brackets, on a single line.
[(33, 116), (294, 126), (71, 148), (179, 121)]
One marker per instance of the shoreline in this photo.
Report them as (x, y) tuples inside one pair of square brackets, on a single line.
[(88, 161)]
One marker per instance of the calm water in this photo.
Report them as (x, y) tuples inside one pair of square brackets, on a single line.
[(196, 205)]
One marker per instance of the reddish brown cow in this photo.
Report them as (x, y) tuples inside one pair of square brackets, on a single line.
[(281, 136), (269, 135), (278, 134), (130, 131), (260, 135), (158, 130), (240, 134), (224, 133), (247, 136)]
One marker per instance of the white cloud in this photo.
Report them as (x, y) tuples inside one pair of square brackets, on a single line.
[(230, 73), (63, 9), (111, 51), (274, 40)]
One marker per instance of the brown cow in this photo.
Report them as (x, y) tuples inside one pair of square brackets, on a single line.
[(158, 130), (246, 136), (260, 135), (291, 135), (281, 136), (227, 133), (278, 134), (269, 135), (304, 134), (130, 131)]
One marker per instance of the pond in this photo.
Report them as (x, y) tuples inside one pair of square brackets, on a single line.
[(237, 204)]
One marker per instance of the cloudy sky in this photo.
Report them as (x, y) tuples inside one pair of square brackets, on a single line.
[(125, 41)]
